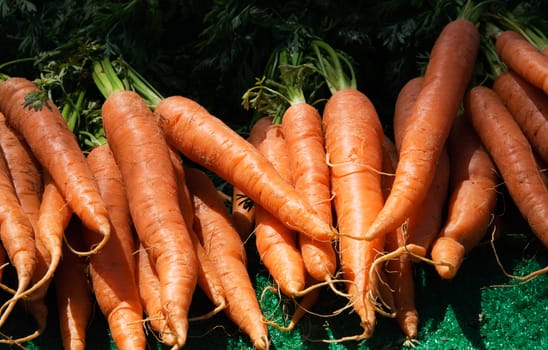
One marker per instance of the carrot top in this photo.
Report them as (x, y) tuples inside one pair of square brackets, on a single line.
[(331, 65), (111, 76), (285, 82), (508, 20), (495, 67)]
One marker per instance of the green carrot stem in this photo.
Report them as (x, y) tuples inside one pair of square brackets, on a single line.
[(332, 67)]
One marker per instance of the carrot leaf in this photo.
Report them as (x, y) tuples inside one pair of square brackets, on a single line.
[(36, 100)]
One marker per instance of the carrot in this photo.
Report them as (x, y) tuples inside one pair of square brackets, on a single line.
[(353, 141), (302, 129), (27, 182), (32, 298), (425, 219), (529, 106), (303, 132), (57, 150), (112, 189), (400, 276), (527, 103), (53, 218), (277, 244), (112, 270), (472, 201), (513, 156), (208, 278), (192, 130), (17, 236), (148, 285), (448, 72), (521, 25), (73, 295), (243, 208), (142, 155), (399, 271), (25, 170), (223, 245), (523, 58)]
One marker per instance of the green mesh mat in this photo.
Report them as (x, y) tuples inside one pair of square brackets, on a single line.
[(480, 309)]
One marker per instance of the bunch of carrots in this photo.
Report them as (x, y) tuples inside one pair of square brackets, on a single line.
[(136, 224)]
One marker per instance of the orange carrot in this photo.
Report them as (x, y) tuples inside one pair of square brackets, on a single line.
[(107, 174), (403, 109), (53, 217), (472, 201), (149, 292), (277, 244), (399, 271), (401, 280), (524, 58), (513, 156), (424, 224), (112, 269), (192, 130), (73, 295), (281, 93), (57, 150), (529, 106), (447, 75), (17, 236), (302, 128), (425, 219), (353, 141), (25, 170), (243, 208), (208, 278), (142, 155), (27, 182), (212, 223)]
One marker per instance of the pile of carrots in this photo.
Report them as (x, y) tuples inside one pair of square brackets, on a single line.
[(137, 224)]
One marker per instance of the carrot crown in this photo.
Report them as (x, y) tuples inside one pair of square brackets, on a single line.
[(496, 67), (522, 25), (105, 77), (331, 65), (108, 80), (473, 12), (282, 85)]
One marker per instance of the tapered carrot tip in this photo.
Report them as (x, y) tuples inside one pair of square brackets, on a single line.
[(450, 253), (261, 344), (368, 330), (410, 321)]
